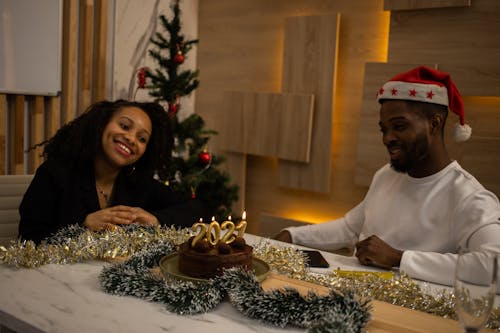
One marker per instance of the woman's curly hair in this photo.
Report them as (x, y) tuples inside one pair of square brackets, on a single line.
[(79, 141)]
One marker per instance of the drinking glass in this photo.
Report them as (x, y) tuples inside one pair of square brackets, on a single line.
[(475, 285)]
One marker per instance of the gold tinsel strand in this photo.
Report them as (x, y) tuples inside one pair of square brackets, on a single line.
[(397, 289), (119, 244), (113, 244)]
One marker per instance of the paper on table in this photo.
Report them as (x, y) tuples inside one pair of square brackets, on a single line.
[(383, 275)]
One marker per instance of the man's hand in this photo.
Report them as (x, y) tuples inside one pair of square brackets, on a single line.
[(373, 251), (283, 236)]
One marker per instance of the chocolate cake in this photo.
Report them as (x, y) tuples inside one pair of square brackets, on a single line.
[(207, 261)]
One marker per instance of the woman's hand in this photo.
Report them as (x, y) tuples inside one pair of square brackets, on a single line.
[(109, 218), (145, 218)]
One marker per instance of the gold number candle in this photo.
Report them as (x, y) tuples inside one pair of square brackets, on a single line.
[(228, 237), (201, 228), (213, 238)]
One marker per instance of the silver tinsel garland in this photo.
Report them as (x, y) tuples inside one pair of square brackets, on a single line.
[(77, 244), (331, 313)]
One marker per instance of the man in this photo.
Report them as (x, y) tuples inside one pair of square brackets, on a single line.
[(423, 208)]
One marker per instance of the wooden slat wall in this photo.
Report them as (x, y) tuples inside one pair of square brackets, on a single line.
[(37, 133), (464, 36), (83, 82), (242, 47), (86, 15), (69, 61), (99, 51), (3, 133), (423, 4), (16, 135)]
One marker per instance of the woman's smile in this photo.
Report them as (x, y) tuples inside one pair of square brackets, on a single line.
[(123, 149)]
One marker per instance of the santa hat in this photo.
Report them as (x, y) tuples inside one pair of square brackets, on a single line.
[(424, 84)]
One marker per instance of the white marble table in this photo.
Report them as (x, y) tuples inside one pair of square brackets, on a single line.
[(68, 298)]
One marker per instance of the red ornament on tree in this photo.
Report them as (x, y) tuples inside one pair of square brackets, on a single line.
[(204, 158), (172, 109), (179, 58)]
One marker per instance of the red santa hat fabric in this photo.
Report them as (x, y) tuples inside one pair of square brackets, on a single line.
[(424, 84)]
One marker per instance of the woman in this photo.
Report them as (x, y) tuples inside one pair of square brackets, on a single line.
[(99, 172)]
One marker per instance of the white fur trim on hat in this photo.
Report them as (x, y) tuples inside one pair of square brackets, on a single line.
[(410, 91), (461, 133)]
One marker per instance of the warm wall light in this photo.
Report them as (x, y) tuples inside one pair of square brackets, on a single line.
[(311, 217), (382, 50)]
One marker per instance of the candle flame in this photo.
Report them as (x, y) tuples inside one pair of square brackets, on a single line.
[(244, 215)]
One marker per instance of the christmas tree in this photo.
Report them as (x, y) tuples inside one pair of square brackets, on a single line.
[(193, 168)]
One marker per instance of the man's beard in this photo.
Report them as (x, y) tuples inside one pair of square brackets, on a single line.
[(411, 155)]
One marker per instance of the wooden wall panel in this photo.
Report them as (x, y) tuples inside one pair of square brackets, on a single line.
[(276, 125), (236, 167), (241, 48), (310, 59), (423, 4), (480, 155), (465, 36), (3, 132), (99, 51), (86, 19), (16, 133), (474, 80), (37, 133), (270, 224), (69, 61), (52, 115)]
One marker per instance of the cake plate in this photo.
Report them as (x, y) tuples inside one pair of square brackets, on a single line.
[(169, 266)]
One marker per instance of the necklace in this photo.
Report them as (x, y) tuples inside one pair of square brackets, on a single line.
[(104, 194)]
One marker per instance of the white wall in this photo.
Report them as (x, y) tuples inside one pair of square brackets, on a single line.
[(132, 23)]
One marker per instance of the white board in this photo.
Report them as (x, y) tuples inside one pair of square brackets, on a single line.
[(30, 47)]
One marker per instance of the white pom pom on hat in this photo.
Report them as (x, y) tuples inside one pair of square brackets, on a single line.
[(424, 84)]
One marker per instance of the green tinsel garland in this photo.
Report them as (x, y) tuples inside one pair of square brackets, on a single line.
[(331, 313)]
